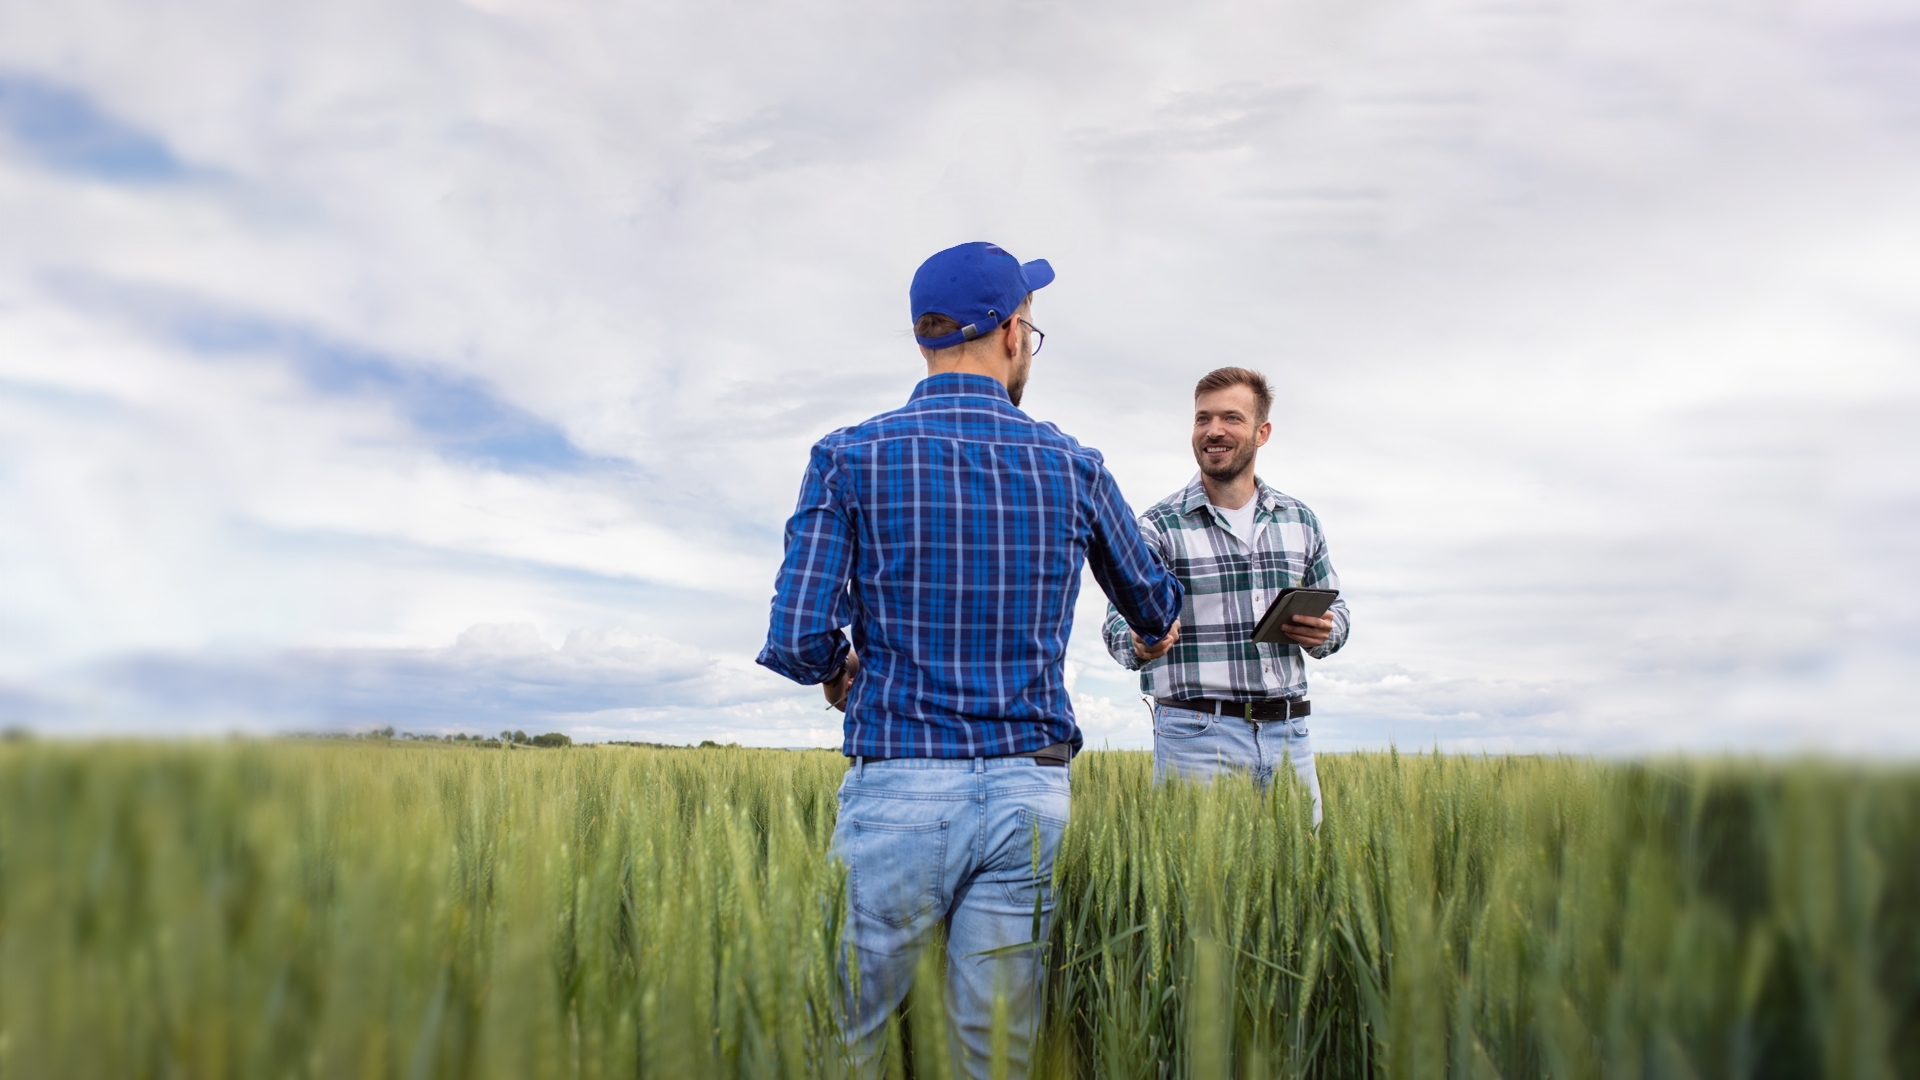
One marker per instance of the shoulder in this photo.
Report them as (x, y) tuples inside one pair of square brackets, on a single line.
[(880, 427), (1047, 433), (958, 418), (834, 442), (967, 417), (1286, 507), (1169, 513)]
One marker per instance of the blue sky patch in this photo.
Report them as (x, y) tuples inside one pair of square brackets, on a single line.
[(67, 132), (459, 414)]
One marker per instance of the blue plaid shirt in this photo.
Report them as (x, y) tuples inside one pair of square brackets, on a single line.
[(950, 534)]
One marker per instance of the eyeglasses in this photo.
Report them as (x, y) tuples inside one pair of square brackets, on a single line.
[(1039, 335)]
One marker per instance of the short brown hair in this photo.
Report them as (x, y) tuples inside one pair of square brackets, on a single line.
[(934, 325), (1221, 378)]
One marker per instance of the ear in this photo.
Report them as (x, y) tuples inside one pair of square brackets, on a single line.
[(1263, 433), (1010, 332)]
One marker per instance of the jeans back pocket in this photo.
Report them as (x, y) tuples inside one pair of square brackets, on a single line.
[(1029, 855), (895, 872)]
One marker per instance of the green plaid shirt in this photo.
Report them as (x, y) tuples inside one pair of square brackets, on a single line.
[(1228, 589)]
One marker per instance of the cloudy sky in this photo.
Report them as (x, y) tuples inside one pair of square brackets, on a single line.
[(452, 365)]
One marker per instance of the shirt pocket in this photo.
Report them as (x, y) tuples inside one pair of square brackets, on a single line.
[(894, 872)]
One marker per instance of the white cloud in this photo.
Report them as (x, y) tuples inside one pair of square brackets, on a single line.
[(1107, 723)]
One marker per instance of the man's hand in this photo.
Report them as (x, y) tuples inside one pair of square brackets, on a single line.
[(1154, 652), (1309, 631), (840, 685)]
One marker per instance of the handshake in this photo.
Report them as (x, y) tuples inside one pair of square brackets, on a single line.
[(1306, 631), (1159, 649)]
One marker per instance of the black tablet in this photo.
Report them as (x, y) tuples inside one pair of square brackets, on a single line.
[(1289, 603)]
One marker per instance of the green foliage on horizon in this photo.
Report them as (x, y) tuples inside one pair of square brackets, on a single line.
[(392, 910)]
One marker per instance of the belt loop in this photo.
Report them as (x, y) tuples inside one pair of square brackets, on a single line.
[(1216, 707)]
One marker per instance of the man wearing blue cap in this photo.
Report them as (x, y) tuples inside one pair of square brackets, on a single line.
[(949, 535)]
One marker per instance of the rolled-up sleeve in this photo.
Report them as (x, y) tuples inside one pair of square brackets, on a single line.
[(1119, 638), (1145, 596), (810, 604), (1320, 575), (1118, 635)]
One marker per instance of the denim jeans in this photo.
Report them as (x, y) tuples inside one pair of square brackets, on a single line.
[(928, 841), (1200, 746)]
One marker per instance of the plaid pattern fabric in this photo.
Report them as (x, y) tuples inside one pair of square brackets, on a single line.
[(950, 534), (1228, 588)]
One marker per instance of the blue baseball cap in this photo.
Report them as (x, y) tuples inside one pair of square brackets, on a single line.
[(977, 285)]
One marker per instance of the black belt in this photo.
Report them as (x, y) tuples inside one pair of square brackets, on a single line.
[(1058, 754), (1277, 709)]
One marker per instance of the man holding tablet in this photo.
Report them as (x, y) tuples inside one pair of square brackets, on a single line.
[(1261, 596)]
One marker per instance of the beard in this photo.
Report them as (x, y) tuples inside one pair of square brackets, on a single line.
[(1230, 469), (1017, 383)]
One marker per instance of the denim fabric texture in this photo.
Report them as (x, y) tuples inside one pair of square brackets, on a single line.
[(1201, 746), (968, 843)]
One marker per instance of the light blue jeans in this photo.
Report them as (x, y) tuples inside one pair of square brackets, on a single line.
[(1201, 746), (969, 843)]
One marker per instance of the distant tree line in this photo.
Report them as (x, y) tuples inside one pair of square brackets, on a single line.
[(506, 739), (708, 744)]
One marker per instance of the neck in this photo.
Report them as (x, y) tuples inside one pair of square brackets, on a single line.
[(999, 370), (1231, 494)]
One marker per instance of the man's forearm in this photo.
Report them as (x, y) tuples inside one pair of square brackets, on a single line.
[(1336, 639), (1129, 570), (1119, 639), (804, 640), (809, 659), (1148, 608)]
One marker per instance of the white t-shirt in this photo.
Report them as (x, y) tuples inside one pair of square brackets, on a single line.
[(1240, 522)]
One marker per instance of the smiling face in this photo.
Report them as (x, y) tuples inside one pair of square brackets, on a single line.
[(1227, 432)]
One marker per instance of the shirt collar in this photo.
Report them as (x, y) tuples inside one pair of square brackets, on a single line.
[(1194, 497), (960, 384)]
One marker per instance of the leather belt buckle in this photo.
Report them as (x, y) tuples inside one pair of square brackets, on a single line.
[(1281, 710), (1292, 708)]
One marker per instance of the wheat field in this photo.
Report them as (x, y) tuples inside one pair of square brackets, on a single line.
[(324, 909)]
